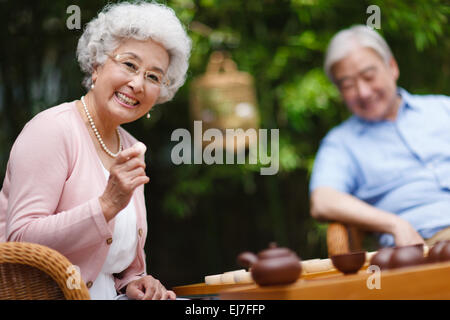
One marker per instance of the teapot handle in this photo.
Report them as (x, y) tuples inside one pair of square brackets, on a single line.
[(247, 259)]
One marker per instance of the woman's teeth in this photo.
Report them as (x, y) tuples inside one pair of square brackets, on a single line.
[(126, 99)]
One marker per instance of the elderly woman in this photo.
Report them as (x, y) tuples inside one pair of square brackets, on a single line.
[(75, 179)]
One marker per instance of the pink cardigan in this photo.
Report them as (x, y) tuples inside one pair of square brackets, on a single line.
[(50, 194)]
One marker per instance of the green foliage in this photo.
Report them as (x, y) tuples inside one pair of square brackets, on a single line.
[(306, 96)]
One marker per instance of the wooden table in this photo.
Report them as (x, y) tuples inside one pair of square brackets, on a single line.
[(431, 281), (199, 290)]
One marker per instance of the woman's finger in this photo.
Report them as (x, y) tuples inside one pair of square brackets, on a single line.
[(134, 292), (165, 295), (172, 295), (140, 180), (129, 165), (127, 154), (124, 183), (149, 292), (168, 295), (137, 172), (157, 295)]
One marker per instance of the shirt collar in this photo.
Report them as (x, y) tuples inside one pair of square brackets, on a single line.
[(407, 99)]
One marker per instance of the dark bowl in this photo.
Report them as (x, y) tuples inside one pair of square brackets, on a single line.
[(444, 255), (349, 263), (407, 256), (435, 251)]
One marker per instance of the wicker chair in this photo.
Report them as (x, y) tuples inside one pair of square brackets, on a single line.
[(30, 271), (342, 238)]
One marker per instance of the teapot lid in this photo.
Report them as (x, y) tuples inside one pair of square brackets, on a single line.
[(274, 252)]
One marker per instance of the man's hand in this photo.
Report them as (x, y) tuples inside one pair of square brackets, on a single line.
[(328, 204), (148, 288), (404, 233)]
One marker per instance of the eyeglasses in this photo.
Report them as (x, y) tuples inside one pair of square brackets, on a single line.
[(350, 82), (128, 64)]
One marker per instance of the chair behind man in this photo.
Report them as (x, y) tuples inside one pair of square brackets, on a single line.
[(343, 238), (30, 271)]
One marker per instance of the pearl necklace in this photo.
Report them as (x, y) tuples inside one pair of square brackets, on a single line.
[(97, 134)]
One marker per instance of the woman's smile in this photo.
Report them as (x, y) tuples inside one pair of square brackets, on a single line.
[(125, 100)]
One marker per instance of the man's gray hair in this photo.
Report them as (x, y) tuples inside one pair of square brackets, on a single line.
[(141, 21), (348, 39)]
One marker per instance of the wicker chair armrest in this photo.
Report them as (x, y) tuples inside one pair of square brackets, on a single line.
[(47, 260)]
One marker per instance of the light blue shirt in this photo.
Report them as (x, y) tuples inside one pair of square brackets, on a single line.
[(400, 166)]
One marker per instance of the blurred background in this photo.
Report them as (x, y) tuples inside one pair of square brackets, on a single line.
[(202, 216)]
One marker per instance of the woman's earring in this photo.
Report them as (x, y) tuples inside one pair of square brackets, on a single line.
[(148, 115), (92, 86)]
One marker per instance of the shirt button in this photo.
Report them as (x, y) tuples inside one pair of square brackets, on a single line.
[(89, 284), (109, 241), (140, 232)]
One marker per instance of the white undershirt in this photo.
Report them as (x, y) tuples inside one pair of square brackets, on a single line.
[(121, 253)]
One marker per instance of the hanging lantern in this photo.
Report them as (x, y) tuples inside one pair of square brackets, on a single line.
[(224, 98)]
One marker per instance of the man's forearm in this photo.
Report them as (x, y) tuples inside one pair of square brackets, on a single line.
[(331, 205), (328, 204)]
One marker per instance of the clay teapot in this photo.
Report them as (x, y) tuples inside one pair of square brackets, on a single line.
[(273, 266)]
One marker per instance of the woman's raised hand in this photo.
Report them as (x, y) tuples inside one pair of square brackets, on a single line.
[(126, 174)]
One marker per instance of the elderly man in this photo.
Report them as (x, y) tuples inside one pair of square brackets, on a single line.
[(387, 168)]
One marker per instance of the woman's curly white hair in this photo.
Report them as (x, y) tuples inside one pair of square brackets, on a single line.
[(141, 21)]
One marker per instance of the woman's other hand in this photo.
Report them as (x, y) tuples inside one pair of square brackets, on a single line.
[(126, 174), (148, 288)]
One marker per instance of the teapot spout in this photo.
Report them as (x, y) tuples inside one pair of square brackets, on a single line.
[(247, 259)]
